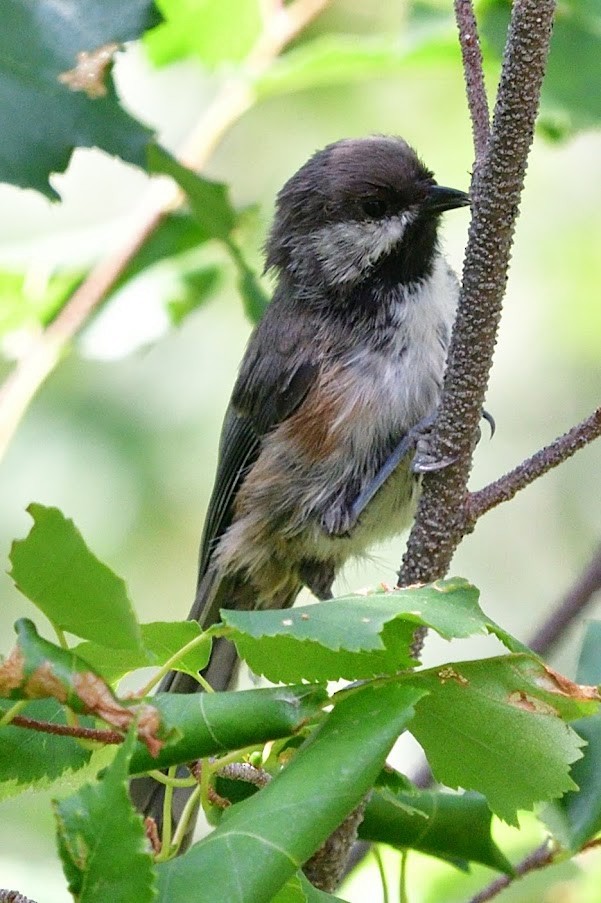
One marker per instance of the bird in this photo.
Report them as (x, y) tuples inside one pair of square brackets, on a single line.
[(316, 457)]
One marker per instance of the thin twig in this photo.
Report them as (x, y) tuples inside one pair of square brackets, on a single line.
[(244, 771), (504, 489), (67, 730), (573, 604), (474, 77), (439, 525), (233, 99), (538, 859)]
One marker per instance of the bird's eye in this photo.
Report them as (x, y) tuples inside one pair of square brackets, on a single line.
[(373, 207)]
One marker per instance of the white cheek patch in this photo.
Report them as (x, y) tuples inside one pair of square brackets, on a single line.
[(347, 251)]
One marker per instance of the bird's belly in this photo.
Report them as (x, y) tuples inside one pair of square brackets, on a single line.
[(387, 514)]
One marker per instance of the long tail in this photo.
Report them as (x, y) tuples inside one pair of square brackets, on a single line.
[(214, 592)]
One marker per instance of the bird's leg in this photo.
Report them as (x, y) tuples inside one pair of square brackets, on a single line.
[(341, 519), (424, 461)]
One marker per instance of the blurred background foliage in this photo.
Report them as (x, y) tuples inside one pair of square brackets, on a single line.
[(123, 435)]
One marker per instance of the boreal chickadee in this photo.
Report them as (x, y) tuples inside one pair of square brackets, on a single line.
[(348, 358)]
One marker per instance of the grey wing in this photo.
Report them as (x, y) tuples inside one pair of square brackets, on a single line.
[(239, 448)]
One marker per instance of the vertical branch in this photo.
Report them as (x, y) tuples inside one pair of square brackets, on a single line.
[(439, 525), (474, 78)]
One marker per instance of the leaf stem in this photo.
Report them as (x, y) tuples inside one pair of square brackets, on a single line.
[(377, 854), (188, 813), (403, 891), (166, 847), (168, 666), (174, 782), (11, 713)]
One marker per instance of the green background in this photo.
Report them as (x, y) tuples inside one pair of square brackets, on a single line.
[(123, 435)]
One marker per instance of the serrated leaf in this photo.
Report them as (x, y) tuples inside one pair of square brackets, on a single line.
[(212, 723), (485, 717), (39, 43), (577, 816), (280, 827), (203, 28), (453, 827), (209, 200), (356, 636), (102, 840), (38, 669), (341, 59), (34, 759), (56, 570), (160, 641)]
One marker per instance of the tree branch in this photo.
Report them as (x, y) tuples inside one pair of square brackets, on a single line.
[(474, 78), (573, 603), (504, 489), (13, 896), (538, 859), (440, 525), (67, 730), (233, 99)]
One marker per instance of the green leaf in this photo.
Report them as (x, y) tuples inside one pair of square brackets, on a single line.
[(299, 890), (38, 669), (39, 42), (160, 641), (355, 636), (102, 841), (34, 759), (341, 59), (217, 219), (479, 716), (213, 32), (177, 233), (212, 723), (55, 569), (209, 200), (577, 816), (25, 303), (570, 99), (279, 828), (254, 297), (198, 286), (453, 827)]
